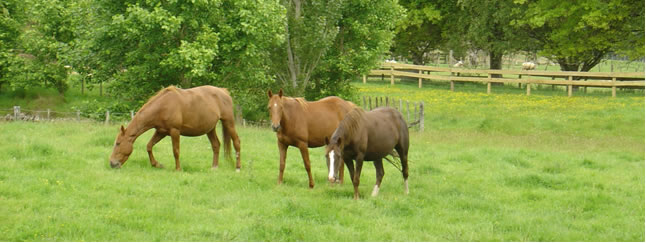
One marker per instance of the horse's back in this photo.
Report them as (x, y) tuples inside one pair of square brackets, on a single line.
[(385, 128), (323, 117)]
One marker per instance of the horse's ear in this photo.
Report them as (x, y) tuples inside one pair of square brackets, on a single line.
[(280, 93), (123, 130), (269, 93), (327, 140)]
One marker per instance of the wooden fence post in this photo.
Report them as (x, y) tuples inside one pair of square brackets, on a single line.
[(369, 103), (107, 117), (400, 105), (364, 79), (132, 115), (421, 116), (387, 104), (569, 87), (614, 88), (392, 75), (489, 84), (16, 112), (365, 107), (529, 88), (419, 81), (48, 111), (408, 111), (415, 113), (78, 115)]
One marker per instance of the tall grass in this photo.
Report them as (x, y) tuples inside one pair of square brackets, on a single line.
[(502, 167)]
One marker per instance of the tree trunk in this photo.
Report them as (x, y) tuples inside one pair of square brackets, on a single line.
[(495, 63)]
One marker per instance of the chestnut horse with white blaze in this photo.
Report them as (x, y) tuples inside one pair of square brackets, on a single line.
[(368, 136), (174, 112), (304, 125)]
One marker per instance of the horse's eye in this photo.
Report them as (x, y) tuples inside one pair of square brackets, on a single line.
[(118, 144)]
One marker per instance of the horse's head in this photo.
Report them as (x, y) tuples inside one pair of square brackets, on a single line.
[(333, 157), (122, 149), (275, 107)]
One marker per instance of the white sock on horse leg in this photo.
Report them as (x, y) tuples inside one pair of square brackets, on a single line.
[(406, 186), (375, 191)]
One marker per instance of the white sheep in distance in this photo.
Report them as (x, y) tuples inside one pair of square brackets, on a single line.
[(391, 61), (458, 64), (529, 66)]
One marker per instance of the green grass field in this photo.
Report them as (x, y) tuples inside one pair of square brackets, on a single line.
[(499, 167)]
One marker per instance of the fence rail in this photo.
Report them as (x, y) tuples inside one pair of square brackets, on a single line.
[(597, 79)]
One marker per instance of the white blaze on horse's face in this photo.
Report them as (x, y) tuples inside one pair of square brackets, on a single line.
[(275, 107), (332, 166)]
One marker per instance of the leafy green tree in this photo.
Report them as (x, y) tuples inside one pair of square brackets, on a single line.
[(578, 34), (421, 31), (146, 45), (487, 25), (328, 43), (10, 16), (45, 34)]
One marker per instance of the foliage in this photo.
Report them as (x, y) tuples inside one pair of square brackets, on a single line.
[(147, 45), (330, 42), (421, 31), (578, 34)]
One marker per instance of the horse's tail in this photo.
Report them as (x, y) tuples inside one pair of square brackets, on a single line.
[(226, 140)]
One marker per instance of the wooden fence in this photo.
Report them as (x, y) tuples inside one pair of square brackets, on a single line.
[(417, 119), (570, 79)]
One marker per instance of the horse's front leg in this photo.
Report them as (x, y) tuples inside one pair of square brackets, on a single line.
[(174, 135), (282, 149), (357, 175), (306, 161), (154, 140)]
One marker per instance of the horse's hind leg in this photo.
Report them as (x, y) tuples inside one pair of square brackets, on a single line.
[(215, 145), (154, 140), (379, 168), (403, 157), (229, 125)]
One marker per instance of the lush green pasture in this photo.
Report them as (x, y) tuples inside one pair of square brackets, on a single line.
[(500, 167)]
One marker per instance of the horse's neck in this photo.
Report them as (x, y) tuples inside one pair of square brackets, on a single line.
[(294, 112), (139, 124)]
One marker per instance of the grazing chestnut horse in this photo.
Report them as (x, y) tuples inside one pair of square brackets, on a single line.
[(187, 112), (368, 136), (304, 125)]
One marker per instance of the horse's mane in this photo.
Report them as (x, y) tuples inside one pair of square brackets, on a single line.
[(301, 101), (350, 123), (159, 94)]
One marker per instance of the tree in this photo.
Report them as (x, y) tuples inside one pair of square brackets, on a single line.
[(421, 31), (10, 16), (578, 34), (487, 25), (330, 42), (146, 45)]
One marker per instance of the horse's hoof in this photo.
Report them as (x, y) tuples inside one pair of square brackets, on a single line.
[(158, 166), (237, 170)]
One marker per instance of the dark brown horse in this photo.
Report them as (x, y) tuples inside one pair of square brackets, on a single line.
[(368, 136), (187, 112), (304, 125)]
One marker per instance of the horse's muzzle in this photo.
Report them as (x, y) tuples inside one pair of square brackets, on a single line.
[(115, 164), (275, 128)]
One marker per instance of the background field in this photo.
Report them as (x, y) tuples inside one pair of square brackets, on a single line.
[(499, 167)]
